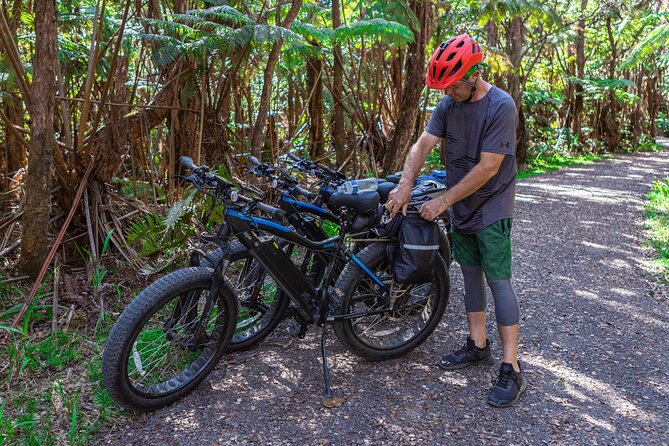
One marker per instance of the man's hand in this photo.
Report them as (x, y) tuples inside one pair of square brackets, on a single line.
[(433, 208), (398, 198)]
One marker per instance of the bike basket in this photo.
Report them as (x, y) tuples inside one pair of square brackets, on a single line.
[(414, 255)]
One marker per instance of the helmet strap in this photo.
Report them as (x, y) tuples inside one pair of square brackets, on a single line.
[(471, 85)]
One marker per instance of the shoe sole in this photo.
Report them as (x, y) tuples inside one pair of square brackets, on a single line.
[(513, 401), (463, 365)]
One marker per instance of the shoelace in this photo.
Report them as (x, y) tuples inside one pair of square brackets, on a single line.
[(503, 379), (464, 350)]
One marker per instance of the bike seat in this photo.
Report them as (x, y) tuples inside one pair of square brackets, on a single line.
[(384, 189), (362, 203), (394, 178)]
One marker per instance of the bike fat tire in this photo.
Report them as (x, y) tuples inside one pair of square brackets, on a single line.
[(374, 256), (239, 256), (159, 294)]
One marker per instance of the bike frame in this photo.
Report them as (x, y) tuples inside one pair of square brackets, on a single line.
[(286, 274)]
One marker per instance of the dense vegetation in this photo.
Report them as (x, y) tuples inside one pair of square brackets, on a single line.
[(99, 98)]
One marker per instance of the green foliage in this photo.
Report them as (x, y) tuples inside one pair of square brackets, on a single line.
[(597, 88), (375, 29), (663, 123), (556, 161), (311, 32), (657, 211), (178, 211), (652, 42), (542, 96), (395, 11)]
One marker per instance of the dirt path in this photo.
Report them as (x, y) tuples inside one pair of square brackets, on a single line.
[(594, 345)]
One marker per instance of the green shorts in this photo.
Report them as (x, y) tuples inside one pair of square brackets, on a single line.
[(490, 249)]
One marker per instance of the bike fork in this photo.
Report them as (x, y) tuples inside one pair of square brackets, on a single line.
[(327, 391)]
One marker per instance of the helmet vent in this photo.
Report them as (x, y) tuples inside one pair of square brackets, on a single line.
[(460, 44), (441, 74), (455, 69), (450, 57)]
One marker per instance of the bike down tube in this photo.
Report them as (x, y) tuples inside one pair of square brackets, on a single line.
[(276, 262)]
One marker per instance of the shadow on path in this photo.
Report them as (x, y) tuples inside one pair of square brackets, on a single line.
[(593, 345)]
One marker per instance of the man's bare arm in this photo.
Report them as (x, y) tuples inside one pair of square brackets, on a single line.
[(475, 179), (416, 158), (398, 199)]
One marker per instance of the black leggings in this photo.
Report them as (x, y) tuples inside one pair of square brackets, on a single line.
[(507, 310)]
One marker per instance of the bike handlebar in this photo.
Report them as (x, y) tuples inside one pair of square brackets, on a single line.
[(305, 193), (271, 210), (253, 160), (187, 162)]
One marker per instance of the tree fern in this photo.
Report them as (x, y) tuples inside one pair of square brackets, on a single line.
[(225, 14), (381, 29), (178, 210), (644, 50), (311, 32), (396, 11)]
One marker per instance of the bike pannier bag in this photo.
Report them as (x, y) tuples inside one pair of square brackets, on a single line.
[(416, 250)]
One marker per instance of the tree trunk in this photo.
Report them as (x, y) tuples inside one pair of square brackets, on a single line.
[(338, 130), (610, 123), (515, 42), (315, 89), (492, 39), (109, 151), (580, 73), (35, 220), (413, 86), (13, 108), (258, 134)]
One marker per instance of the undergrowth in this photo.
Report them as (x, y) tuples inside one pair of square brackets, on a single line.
[(657, 211)]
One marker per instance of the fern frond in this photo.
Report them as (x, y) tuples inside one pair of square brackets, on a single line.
[(312, 9), (378, 28), (178, 210), (267, 33), (396, 11), (154, 266), (224, 13), (642, 52), (296, 52), (311, 32), (175, 28)]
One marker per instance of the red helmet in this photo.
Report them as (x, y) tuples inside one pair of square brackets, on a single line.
[(452, 60)]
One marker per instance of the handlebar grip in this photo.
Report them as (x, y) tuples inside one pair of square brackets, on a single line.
[(271, 210), (293, 157), (305, 193), (187, 162), (253, 160)]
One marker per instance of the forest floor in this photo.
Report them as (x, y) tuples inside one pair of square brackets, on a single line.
[(595, 324)]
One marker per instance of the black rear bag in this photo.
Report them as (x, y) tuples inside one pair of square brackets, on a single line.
[(414, 255)]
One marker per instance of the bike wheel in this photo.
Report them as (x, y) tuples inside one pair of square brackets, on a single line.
[(161, 347), (417, 309), (261, 305)]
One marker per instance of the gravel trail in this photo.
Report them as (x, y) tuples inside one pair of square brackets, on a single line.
[(595, 331)]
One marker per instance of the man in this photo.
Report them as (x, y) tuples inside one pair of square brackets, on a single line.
[(478, 122)]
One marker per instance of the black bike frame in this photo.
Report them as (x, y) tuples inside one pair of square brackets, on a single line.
[(286, 274)]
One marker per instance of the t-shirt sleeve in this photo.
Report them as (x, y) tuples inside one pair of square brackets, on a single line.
[(500, 134), (437, 124)]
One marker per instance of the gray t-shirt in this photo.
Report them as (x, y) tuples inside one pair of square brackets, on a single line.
[(487, 125)]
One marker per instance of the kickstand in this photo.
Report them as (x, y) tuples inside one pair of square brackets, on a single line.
[(327, 392)]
